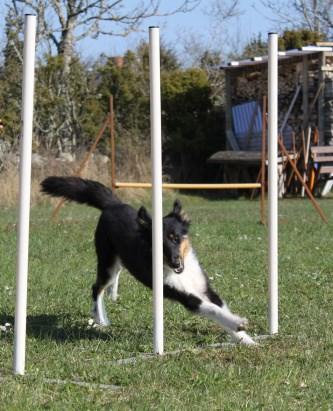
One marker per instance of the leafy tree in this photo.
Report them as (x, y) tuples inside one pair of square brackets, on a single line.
[(129, 84), (189, 122), (289, 39), (293, 39), (210, 62), (10, 80), (61, 108), (313, 15), (70, 108), (61, 95), (255, 47)]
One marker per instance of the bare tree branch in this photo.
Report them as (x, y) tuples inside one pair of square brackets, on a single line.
[(315, 15), (224, 9), (65, 22), (80, 14)]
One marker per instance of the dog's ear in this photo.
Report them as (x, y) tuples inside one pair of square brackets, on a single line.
[(177, 207), (179, 213), (143, 218)]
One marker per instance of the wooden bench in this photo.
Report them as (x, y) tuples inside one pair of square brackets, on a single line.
[(322, 157)]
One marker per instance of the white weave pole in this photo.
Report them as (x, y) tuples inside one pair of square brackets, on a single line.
[(24, 198), (273, 182), (156, 157)]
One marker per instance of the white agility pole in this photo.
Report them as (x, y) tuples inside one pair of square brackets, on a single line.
[(24, 198), (273, 182), (156, 157)]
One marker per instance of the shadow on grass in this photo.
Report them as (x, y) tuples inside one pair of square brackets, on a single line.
[(58, 328), (63, 329)]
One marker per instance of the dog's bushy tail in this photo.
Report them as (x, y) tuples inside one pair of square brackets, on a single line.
[(80, 190)]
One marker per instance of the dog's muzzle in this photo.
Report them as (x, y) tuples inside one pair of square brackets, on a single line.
[(178, 268)]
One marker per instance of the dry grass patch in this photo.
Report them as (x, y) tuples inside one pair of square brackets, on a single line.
[(133, 164)]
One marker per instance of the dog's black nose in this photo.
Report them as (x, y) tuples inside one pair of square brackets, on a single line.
[(179, 269), (178, 266)]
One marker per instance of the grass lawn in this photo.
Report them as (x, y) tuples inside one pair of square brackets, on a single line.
[(292, 371)]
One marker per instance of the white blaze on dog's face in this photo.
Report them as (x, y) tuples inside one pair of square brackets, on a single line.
[(175, 238)]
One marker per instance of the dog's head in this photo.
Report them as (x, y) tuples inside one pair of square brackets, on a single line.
[(175, 230)]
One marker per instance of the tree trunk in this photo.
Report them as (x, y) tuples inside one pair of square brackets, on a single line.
[(66, 45)]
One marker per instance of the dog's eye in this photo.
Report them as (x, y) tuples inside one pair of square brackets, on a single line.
[(174, 238)]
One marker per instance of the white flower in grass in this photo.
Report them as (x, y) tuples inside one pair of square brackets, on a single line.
[(9, 290), (90, 323), (6, 328)]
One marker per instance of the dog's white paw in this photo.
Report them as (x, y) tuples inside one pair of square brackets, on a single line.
[(100, 318), (239, 323), (243, 338), (243, 323), (101, 322), (92, 323)]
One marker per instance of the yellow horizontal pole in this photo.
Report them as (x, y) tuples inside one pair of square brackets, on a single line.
[(177, 186)]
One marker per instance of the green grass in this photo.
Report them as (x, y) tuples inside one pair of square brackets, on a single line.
[(293, 371)]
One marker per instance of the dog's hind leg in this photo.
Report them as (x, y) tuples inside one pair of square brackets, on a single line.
[(112, 286), (98, 310), (105, 278)]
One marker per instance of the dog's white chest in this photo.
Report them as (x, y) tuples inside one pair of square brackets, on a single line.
[(191, 281)]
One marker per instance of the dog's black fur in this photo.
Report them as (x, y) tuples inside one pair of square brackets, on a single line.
[(125, 235)]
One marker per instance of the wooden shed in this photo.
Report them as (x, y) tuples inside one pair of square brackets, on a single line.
[(305, 100)]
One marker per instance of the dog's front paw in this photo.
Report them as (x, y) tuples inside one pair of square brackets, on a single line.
[(238, 323), (242, 337), (242, 324)]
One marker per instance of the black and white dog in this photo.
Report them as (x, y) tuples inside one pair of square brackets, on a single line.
[(123, 237)]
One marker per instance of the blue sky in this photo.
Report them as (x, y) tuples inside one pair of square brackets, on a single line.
[(182, 28), (178, 29)]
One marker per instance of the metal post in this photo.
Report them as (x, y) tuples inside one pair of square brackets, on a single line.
[(24, 206), (156, 154), (273, 181)]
